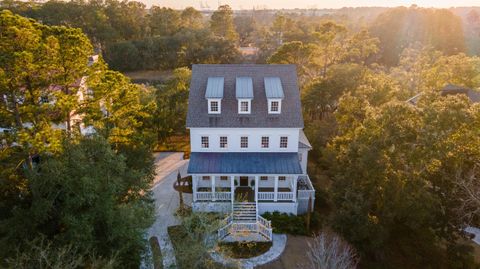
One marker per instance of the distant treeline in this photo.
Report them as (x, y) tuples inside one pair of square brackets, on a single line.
[(132, 37)]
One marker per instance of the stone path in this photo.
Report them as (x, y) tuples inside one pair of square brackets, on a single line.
[(166, 201), (475, 231), (278, 246)]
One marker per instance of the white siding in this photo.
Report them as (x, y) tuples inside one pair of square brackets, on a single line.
[(254, 139)]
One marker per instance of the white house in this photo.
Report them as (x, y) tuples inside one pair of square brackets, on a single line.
[(248, 150)]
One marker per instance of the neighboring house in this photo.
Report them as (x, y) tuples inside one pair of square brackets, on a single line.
[(450, 89), (76, 119), (248, 150)]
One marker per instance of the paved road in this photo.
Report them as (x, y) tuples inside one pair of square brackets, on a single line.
[(168, 164)]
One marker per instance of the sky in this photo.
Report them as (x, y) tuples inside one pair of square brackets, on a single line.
[(279, 4)]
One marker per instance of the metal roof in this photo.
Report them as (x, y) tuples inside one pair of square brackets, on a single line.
[(244, 88), (244, 163), (291, 116), (273, 87), (214, 87)]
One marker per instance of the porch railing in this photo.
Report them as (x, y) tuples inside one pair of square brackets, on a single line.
[(266, 196), (284, 196), (208, 196)]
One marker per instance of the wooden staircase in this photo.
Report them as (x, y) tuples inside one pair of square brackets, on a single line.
[(244, 224), (245, 212)]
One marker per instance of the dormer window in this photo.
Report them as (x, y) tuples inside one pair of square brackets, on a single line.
[(214, 94), (244, 94), (274, 106), (274, 94), (244, 106), (214, 106)]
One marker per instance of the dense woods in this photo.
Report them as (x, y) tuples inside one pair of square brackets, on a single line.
[(393, 177)]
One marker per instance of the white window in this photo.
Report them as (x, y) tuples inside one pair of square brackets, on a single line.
[(214, 106), (265, 141), (282, 178), (206, 177), (223, 178), (205, 143), (223, 142), (274, 106), (244, 142), (263, 178), (244, 106), (283, 142)]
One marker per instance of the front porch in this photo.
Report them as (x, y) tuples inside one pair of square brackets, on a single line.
[(251, 188)]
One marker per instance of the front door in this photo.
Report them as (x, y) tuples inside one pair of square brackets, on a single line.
[(243, 181)]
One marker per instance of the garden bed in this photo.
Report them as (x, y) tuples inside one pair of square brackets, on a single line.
[(244, 250), (156, 253)]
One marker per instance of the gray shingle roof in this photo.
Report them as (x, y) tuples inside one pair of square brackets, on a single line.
[(291, 116), (244, 163)]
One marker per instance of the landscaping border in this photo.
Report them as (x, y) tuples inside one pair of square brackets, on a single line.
[(279, 241)]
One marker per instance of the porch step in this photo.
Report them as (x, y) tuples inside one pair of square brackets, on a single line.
[(245, 212)]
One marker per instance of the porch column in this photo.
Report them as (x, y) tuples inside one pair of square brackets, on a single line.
[(295, 181), (275, 189), (232, 188), (213, 188), (256, 188), (194, 187)]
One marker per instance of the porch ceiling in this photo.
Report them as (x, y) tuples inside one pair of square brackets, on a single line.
[(244, 163)]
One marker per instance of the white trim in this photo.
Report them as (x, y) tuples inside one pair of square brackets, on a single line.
[(208, 141), (248, 141), (219, 142), (249, 106), (280, 142), (261, 142), (219, 101), (270, 106)]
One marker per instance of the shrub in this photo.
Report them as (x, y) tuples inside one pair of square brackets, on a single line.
[(291, 224)]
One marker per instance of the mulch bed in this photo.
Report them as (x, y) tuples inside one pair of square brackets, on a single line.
[(244, 250)]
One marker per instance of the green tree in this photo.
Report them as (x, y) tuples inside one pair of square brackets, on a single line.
[(171, 99), (221, 23), (164, 21), (305, 56), (393, 168), (245, 26), (400, 28), (191, 18), (88, 195), (116, 110)]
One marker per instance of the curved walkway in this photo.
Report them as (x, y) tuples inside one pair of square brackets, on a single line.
[(168, 164), (278, 246)]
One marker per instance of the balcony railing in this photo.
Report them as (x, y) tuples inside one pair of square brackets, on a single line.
[(305, 188)]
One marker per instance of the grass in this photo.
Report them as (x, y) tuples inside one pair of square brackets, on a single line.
[(175, 143), (156, 253), (244, 250), (150, 76)]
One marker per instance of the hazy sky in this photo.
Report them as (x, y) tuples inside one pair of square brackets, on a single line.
[(277, 4)]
